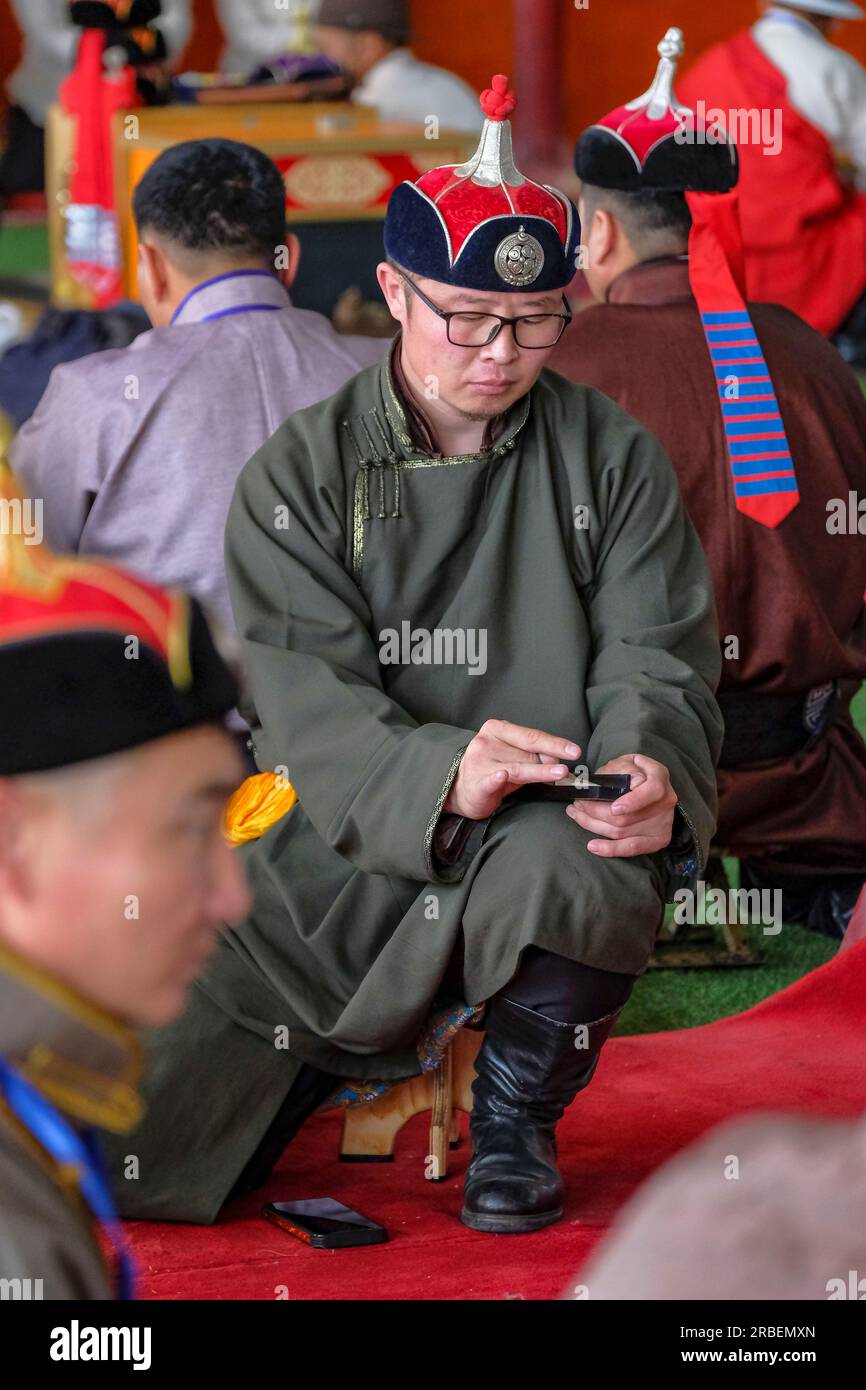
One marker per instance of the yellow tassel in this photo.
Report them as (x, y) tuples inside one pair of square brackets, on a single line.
[(258, 803)]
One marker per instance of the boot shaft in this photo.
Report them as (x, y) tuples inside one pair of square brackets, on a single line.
[(532, 1065)]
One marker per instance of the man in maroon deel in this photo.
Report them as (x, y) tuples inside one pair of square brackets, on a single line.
[(766, 427)]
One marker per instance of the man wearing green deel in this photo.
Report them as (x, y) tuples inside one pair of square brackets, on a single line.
[(452, 578)]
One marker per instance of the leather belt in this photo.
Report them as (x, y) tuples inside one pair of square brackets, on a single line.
[(764, 728)]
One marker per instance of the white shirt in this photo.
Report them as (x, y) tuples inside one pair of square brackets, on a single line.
[(825, 85), (51, 42), (403, 89), (257, 31)]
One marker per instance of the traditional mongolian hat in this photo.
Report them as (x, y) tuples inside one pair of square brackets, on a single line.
[(655, 145), (92, 660), (482, 225)]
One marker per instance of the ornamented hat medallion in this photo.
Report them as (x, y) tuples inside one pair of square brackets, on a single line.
[(519, 258)]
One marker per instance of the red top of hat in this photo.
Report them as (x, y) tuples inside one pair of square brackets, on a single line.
[(497, 101), (490, 185), (44, 595), (656, 115)]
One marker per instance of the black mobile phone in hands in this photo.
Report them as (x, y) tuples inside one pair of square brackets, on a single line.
[(578, 785), (324, 1223)]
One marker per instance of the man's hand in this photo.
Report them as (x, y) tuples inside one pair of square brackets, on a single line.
[(501, 758), (639, 822)]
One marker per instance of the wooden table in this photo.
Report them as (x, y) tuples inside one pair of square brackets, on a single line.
[(339, 162)]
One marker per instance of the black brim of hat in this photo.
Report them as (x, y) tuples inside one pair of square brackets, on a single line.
[(414, 239), (604, 161), (75, 696)]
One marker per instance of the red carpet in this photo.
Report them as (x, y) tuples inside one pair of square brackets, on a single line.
[(800, 1050)]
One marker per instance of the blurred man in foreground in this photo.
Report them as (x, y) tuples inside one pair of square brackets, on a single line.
[(114, 879)]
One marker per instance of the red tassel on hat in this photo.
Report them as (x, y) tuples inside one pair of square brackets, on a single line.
[(497, 102)]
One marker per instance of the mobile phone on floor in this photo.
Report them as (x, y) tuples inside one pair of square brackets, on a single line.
[(324, 1223)]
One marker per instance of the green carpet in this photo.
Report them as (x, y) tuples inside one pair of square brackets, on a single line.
[(665, 999)]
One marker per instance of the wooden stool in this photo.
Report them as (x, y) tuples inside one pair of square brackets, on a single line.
[(369, 1131)]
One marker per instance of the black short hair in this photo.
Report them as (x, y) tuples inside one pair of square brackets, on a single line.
[(214, 196), (646, 217)]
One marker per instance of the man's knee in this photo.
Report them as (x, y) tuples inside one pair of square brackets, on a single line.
[(538, 842)]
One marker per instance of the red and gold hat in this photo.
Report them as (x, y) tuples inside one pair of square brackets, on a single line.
[(482, 225), (94, 660)]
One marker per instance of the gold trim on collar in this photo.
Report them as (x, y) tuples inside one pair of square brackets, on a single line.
[(398, 422), (87, 1095)]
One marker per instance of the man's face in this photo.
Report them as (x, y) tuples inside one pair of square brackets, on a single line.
[(120, 878), (477, 383)]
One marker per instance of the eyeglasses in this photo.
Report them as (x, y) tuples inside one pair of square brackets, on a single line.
[(479, 330)]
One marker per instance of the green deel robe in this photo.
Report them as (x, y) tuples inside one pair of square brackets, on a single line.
[(601, 631)]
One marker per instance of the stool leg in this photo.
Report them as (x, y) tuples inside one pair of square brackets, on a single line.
[(436, 1169), (454, 1130)]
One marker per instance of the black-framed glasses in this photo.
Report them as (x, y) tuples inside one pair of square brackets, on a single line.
[(467, 329)]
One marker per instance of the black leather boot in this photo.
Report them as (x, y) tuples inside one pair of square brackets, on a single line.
[(529, 1069)]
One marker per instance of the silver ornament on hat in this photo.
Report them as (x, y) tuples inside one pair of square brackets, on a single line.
[(660, 98), (519, 258)]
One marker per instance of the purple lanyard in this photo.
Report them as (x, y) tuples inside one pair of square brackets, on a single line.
[(237, 308)]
